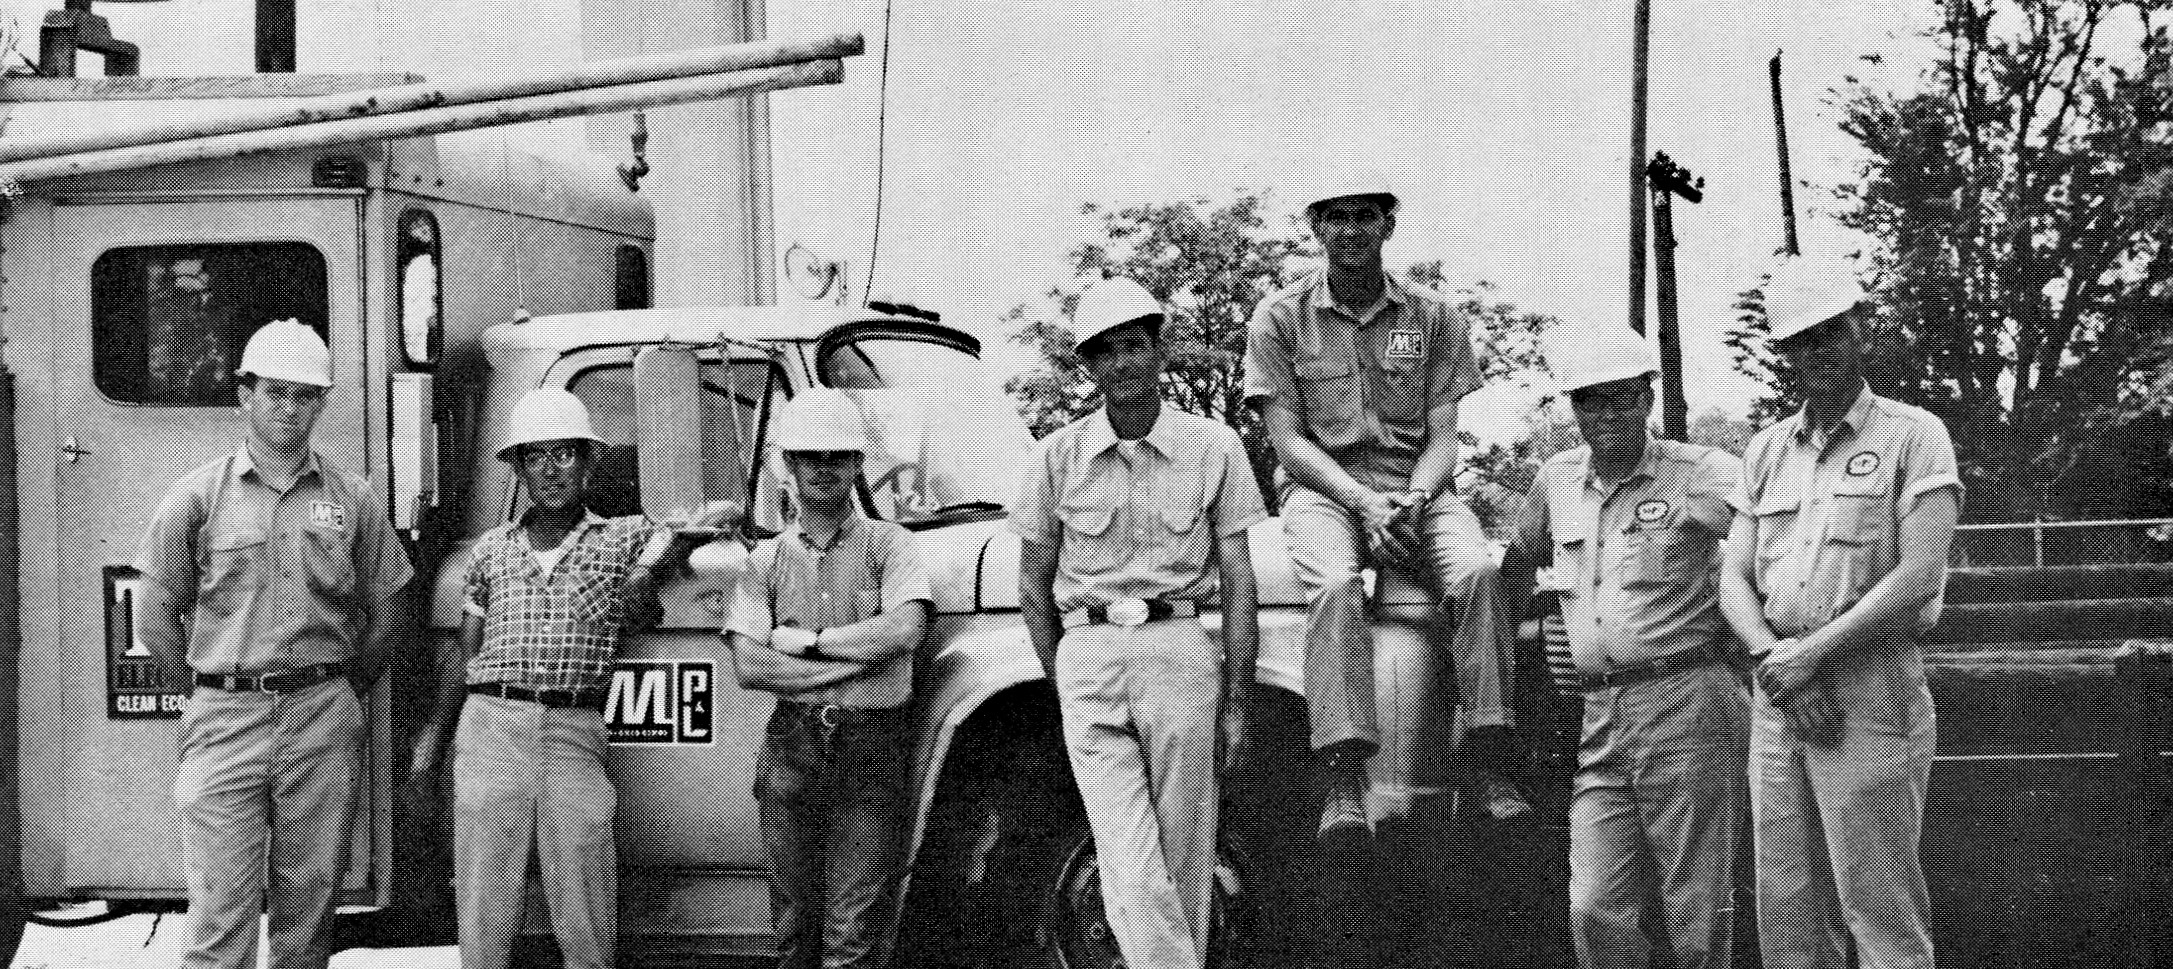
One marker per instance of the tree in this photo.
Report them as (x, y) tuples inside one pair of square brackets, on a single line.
[(1211, 264), (2019, 202)]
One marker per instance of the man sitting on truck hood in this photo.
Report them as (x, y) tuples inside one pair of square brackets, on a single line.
[(288, 569), (827, 617), (548, 598)]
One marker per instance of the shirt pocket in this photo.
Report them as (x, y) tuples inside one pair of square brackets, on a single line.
[(1329, 389), (1776, 514), (596, 593), (1667, 550), (1089, 548), (232, 570), (1402, 389), (1569, 553), (331, 568), (1860, 517), (1180, 500)]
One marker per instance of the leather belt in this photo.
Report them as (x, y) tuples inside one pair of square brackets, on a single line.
[(279, 681), (590, 699), (1651, 669), (1132, 612)]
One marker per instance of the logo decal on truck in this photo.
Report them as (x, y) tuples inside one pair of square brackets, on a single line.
[(136, 688), (662, 701)]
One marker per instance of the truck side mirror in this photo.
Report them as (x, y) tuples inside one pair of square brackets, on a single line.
[(668, 428)]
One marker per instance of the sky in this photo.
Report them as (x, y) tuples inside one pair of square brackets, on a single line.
[(1504, 125)]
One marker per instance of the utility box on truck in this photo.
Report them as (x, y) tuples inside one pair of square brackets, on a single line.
[(125, 300)]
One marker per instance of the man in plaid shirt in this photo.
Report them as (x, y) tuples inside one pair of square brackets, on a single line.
[(548, 597)]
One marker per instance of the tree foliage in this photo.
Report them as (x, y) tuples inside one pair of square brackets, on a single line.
[(1211, 263), (2019, 204)]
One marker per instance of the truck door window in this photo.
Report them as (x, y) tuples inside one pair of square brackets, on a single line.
[(168, 322), (632, 274), (736, 392)]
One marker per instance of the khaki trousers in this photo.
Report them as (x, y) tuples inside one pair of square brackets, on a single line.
[(1327, 555), (1653, 822), (266, 790), (1836, 832), (1140, 708), (530, 792)]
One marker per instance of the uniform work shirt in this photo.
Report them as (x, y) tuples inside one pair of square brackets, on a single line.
[(1363, 381), (869, 567), (1827, 508), (554, 628), (1136, 518), (272, 580), (1635, 560)]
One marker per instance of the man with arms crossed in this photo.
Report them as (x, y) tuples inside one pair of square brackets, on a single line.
[(1128, 516), (827, 617), (548, 599), (1358, 375), (1834, 571), (288, 571), (1632, 527)]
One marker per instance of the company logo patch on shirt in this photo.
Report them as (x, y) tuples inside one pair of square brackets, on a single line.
[(1406, 345), (1863, 463), (328, 515), (1652, 511)]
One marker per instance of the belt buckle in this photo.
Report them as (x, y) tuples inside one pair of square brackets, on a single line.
[(265, 683), (829, 715), (1129, 611)]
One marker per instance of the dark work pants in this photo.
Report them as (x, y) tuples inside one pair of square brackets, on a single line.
[(833, 813)]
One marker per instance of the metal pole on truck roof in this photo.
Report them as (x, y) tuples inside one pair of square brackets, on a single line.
[(410, 97), (429, 121)]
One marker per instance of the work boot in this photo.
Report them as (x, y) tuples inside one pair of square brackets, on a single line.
[(1343, 815), (1504, 800)]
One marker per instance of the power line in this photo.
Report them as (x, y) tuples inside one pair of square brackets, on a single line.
[(882, 125)]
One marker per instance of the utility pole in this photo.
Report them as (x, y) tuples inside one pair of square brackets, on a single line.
[(1669, 180), (1641, 46), (1789, 244)]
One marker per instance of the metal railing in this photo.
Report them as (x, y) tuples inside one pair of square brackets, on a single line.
[(2132, 540)]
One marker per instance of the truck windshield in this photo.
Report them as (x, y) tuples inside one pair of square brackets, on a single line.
[(947, 440)]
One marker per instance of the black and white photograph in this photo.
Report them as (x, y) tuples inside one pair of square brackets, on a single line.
[(1006, 484)]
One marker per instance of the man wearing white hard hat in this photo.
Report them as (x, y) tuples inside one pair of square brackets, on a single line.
[(1129, 517), (828, 617), (270, 582), (1632, 526), (548, 598), (1835, 569), (1358, 374)]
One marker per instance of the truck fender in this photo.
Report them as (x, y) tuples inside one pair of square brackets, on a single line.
[(989, 655)]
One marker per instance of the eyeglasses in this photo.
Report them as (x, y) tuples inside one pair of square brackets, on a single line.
[(538, 458)]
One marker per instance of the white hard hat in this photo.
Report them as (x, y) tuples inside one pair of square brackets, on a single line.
[(1589, 354), (287, 350), (1805, 292), (1111, 303), (822, 419), (1351, 183), (547, 414)]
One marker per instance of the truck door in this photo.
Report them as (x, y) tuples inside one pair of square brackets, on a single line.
[(152, 305)]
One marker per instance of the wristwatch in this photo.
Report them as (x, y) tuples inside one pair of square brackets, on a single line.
[(1420, 496)]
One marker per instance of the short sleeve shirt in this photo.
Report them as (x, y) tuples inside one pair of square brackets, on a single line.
[(870, 567), (273, 580), (1136, 518), (1826, 510), (1635, 560), (1363, 382), (556, 628)]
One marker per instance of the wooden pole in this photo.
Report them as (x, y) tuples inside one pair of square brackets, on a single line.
[(1641, 46), (1674, 406), (1789, 243), (409, 97), (412, 124)]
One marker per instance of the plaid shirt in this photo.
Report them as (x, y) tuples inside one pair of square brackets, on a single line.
[(555, 631)]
